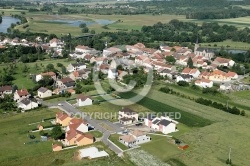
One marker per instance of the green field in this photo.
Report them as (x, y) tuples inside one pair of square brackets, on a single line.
[(226, 43), (187, 118)]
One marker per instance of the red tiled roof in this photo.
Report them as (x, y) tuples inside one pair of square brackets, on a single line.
[(22, 92), (82, 97), (90, 136)]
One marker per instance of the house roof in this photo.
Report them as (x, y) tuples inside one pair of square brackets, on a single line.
[(156, 121), (164, 122), (71, 134), (77, 121), (125, 119), (61, 115), (128, 111), (83, 47), (54, 40), (43, 89), (22, 92), (127, 138), (67, 80), (203, 80), (26, 101), (83, 98), (78, 64), (89, 136), (150, 116), (79, 73), (207, 50), (231, 74), (5, 88), (51, 73), (222, 60), (139, 45), (138, 133)]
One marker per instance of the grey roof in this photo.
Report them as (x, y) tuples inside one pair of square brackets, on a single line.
[(26, 101), (42, 90), (128, 111), (77, 64), (207, 50), (156, 121), (186, 76), (165, 122), (150, 116), (124, 119), (165, 71), (69, 84)]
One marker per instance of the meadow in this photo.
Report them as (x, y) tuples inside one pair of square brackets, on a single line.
[(227, 44)]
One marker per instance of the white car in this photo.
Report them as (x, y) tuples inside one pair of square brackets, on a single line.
[(60, 104)]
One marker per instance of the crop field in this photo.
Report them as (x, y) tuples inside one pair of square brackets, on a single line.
[(187, 118)]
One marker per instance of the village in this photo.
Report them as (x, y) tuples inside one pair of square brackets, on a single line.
[(173, 64)]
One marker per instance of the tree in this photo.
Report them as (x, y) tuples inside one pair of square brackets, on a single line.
[(92, 31), (85, 30), (56, 132), (82, 25), (50, 67), (190, 63), (170, 59)]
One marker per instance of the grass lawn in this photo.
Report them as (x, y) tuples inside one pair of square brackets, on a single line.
[(226, 43), (246, 80), (96, 134), (160, 147), (115, 139)]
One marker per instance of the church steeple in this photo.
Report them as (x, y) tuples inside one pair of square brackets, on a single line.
[(196, 45)]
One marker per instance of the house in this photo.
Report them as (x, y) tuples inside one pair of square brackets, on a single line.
[(121, 74), (136, 137), (21, 94), (40, 127), (84, 100), (165, 73), (91, 153), (162, 124), (160, 65), (193, 72), (204, 83), (79, 74), (27, 104), (166, 48), (140, 45), (184, 77), (54, 42), (127, 116), (219, 61), (112, 73), (225, 86), (49, 74), (5, 90), (74, 137), (63, 119), (83, 49), (79, 125), (99, 60), (232, 75), (44, 92), (65, 83), (112, 50), (103, 68), (56, 147), (218, 75), (76, 66)]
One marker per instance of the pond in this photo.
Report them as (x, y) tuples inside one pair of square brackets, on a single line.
[(6, 22), (76, 23)]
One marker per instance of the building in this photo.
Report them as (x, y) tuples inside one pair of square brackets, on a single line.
[(205, 52), (27, 104), (219, 61), (63, 119), (136, 137), (91, 153), (112, 73), (65, 83), (79, 125), (79, 74), (204, 83), (5, 90), (184, 77), (49, 74), (44, 92), (193, 72), (110, 51), (76, 66), (40, 127), (225, 86), (84, 100), (74, 137), (162, 124), (127, 116), (84, 49), (54, 42), (21, 94)]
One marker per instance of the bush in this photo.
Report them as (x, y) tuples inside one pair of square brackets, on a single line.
[(51, 97), (183, 83)]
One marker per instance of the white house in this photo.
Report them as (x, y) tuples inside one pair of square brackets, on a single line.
[(112, 74), (134, 138), (219, 61), (27, 104), (21, 94), (54, 42), (193, 72), (76, 66), (225, 86), (83, 49), (79, 126), (5, 90), (83, 100), (204, 83), (165, 125), (127, 116), (109, 51), (49, 74), (44, 92), (182, 77), (65, 83)]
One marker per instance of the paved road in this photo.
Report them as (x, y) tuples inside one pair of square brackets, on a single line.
[(66, 107)]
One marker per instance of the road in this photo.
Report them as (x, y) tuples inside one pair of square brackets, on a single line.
[(68, 108)]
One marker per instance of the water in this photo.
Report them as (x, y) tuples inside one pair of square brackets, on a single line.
[(6, 22), (76, 23)]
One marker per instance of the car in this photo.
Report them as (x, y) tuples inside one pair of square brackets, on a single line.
[(60, 104), (138, 124)]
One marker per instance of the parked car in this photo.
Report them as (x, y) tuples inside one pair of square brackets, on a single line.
[(60, 104), (138, 124)]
